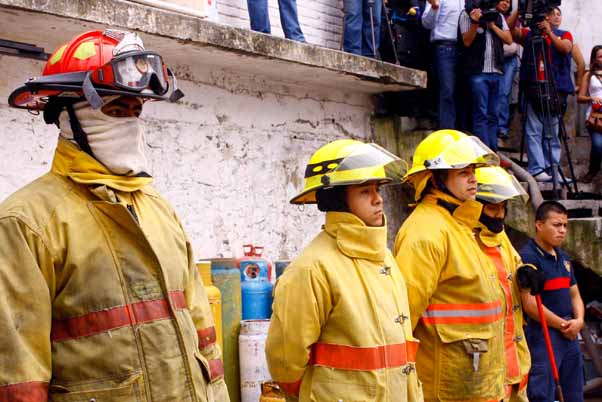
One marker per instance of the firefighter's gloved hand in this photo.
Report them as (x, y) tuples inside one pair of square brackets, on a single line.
[(530, 277)]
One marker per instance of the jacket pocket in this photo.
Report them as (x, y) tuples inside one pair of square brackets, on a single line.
[(322, 391), (464, 376), (128, 390)]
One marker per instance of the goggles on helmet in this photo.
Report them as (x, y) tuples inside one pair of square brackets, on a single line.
[(135, 71)]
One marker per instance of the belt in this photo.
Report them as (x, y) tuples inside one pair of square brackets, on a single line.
[(445, 42)]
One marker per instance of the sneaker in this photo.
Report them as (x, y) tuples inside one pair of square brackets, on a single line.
[(542, 177)]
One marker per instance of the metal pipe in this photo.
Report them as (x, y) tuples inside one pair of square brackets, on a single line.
[(522, 175)]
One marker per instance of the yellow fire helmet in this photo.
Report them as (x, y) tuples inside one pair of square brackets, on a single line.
[(450, 149), (495, 185), (347, 162)]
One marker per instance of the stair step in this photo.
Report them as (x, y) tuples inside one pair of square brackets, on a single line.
[(583, 208)]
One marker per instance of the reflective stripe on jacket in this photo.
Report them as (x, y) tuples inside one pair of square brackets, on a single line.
[(506, 259), (341, 328), (455, 301), (101, 299)]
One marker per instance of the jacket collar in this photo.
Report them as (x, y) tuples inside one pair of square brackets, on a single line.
[(354, 238), (467, 212), (70, 161), (488, 238)]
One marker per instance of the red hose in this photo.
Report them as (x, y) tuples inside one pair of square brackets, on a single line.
[(546, 335)]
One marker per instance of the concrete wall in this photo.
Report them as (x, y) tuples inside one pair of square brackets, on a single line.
[(229, 157), (581, 18)]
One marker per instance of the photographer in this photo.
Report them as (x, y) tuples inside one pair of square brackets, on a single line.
[(546, 65), (484, 34)]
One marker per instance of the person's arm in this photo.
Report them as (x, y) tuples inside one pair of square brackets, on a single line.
[(429, 16), (302, 304), (572, 327), (504, 34), (583, 96), (420, 261), (512, 19), (200, 311), (580, 62), (564, 46), (530, 307), (469, 25), (27, 287)]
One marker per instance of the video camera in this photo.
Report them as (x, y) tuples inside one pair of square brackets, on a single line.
[(489, 13), (532, 12)]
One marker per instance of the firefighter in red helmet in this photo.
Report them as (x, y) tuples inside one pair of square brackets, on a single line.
[(101, 299)]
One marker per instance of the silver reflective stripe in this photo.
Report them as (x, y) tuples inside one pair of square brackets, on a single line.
[(462, 313)]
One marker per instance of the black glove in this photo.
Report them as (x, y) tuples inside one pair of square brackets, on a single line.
[(530, 277)]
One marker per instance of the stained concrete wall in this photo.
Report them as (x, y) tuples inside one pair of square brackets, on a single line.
[(229, 157)]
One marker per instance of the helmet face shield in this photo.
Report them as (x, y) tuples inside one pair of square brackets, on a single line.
[(349, 162), (463, 152), (137, 71), (367, 162), (495, 185)]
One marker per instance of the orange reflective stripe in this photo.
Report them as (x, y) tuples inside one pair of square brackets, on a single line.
[(33, 391), (290, 388), (452, 313), (116, 317), (512, 365), (523, 383), (216, 368), (206, 337), (345, 357)]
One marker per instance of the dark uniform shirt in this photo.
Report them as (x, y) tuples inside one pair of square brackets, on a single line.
[(559, 276)]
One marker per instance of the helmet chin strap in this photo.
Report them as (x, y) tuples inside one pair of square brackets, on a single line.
[(90, 93), (79, 134)]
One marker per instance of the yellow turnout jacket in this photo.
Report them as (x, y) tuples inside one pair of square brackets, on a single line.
[(100, 297), (518, 359), (341, 329), (455, 301)]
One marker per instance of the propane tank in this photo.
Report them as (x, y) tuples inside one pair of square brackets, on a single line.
[(253, 364), (252, 265), (215, 299), (226, 276), (256, 299), (271, 392)]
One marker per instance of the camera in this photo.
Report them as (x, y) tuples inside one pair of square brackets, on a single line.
[(533, 12), (489, 13)]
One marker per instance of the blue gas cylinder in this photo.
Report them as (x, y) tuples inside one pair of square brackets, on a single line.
[(256, 299), (253, 265)]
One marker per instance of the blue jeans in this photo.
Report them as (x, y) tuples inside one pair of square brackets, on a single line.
[(260, 18), (357, 37), (595, 156), (540, 149), (503, 110), (485, 88), (446, 59)]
